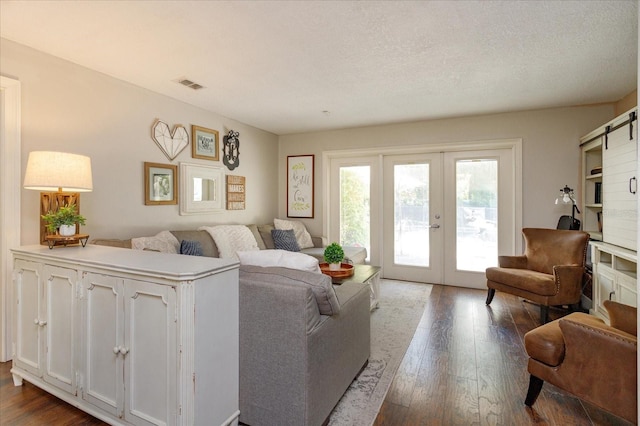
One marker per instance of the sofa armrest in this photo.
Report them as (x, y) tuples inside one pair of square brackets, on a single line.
[(112, 242), (513, 262), (622, 317), (319, 242)]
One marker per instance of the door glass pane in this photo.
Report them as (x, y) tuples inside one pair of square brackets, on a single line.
[(477, 214), (411, 214), (355, 217)]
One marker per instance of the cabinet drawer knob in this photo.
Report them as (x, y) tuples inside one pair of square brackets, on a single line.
[(116, 350), (124, 350)]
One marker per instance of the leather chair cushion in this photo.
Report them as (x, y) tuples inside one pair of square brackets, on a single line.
[(524, 279), (546, 344)]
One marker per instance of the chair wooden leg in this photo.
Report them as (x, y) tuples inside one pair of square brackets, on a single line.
[(535, 386), (490, 294), (544, 314)]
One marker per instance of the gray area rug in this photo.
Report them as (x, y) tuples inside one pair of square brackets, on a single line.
[(392, 327)]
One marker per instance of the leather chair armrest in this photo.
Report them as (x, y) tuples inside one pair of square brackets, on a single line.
[(610, 356), (622, 317), (513, 262), (568, 273), (592, 344), (569, 279)]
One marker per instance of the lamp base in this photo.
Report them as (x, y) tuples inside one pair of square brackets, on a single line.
[(51, 202)]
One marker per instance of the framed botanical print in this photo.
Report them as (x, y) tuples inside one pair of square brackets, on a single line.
[(204, 143), (160, 184), (300, 186)]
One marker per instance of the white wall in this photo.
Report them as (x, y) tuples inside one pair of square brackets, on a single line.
[(70, 108), (551, 154)]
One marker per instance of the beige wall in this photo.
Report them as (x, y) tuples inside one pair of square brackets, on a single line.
[(66, 107), (626, 103), (550, 151)]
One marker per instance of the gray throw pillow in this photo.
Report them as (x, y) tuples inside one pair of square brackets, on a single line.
[(285, 239)]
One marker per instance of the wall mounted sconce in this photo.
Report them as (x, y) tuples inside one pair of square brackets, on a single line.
[(60, 177)]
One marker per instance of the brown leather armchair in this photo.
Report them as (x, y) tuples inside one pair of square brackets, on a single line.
[(549, 273), (584, 356)]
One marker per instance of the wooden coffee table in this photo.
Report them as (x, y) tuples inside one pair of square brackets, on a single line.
[(365, 274)]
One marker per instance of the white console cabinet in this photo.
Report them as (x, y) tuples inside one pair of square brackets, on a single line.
[(131, 337), (614, 276)]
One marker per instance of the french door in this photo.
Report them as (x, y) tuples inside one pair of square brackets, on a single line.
[(413, 217), (436, 217)]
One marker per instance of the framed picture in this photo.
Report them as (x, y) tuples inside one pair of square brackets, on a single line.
[(160, 184), (300, 186), (201, 189), (204, 143)]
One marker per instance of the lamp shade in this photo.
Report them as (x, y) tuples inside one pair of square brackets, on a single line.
[(58, 171)]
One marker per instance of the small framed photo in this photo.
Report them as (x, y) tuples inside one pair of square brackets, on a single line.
[(204, 143), (160, 184)]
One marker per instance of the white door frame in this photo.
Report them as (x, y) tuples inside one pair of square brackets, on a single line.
[(10, 188), (514, 145)]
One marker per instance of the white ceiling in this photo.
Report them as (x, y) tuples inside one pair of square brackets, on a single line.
[(278, 65)]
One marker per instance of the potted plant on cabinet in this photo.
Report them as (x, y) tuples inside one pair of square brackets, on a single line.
[(333, 255), (64, 220)]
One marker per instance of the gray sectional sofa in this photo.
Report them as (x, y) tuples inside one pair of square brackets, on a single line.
[(295, 361), (262, 233)]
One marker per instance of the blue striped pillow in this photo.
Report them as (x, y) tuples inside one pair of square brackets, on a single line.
[(285, 239), (192, 248)]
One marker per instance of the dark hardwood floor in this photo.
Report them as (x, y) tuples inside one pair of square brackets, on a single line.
[(466, 365)]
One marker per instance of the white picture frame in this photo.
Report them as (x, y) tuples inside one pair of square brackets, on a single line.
[(202, 189)]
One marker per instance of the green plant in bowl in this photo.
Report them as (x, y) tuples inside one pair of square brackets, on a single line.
[(333, 254)]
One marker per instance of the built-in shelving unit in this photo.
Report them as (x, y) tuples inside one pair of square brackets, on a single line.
[(592, 181), (609, 209)]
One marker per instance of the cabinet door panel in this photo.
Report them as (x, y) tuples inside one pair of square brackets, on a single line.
[(150, 336), (618, 184), (626, 291), (603, 289), (104, 334), (27, 308), (59, 288)]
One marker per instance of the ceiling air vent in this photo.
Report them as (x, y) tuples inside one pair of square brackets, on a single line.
[(190, 84)]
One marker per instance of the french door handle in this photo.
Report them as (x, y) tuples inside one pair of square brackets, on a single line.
[(435, 225)]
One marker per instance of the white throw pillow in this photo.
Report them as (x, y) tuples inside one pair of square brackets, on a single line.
[(231, 238), (302, 235), (164, 242), (282, 258)]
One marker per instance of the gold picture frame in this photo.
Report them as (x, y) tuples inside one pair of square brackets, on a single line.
[(204, 143), (160, 184)]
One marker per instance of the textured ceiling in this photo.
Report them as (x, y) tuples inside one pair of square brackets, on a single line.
[(278, 65)]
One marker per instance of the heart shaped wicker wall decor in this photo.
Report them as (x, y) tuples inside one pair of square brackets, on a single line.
[(171, 143)]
